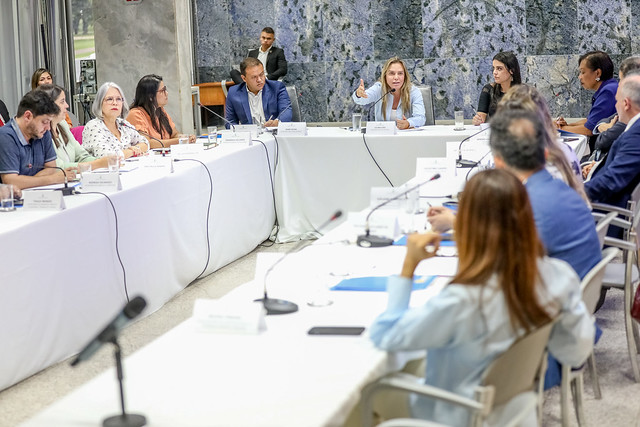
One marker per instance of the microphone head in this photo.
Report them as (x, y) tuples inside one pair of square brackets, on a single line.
[(436, 176), (336, 215), (134, 307), (392, 90)]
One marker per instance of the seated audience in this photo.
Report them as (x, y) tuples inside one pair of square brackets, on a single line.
[(615, 181), (27, 157), (506, 73), (609, 129), (596, 73), (257, 101), (70, 153), (109, 133), (4, 114), (272, 57), (148, 115), (503, 288), (562, 162), (42, 76), (401, 101)]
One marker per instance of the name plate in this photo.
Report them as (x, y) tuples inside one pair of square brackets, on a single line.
[(215, 316), (381, 223), (101, 181), (181, 151), (46, 200), (382, 194), (157, 163), (381, 128), (237, 138), (292, 129), (253, 129)]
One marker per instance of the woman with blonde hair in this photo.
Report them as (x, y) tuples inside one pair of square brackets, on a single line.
[(400, 101), (504, 287), (561, 160)]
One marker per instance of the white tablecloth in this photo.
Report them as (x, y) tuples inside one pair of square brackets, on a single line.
[(282, 377), (60, 280), (331, 169)]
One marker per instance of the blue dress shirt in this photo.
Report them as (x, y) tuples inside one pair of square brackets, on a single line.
[(415, 117)]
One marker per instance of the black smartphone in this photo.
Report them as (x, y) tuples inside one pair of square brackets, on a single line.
[(336, 330)]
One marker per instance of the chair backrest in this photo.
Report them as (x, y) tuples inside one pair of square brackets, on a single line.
[(602, 226), (295, 105), (516, 370), (427, 97), (77, 133), (592, 282)]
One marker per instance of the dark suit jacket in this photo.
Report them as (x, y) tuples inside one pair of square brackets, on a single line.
[(614, 182), (276, 63), (274, 102), (4, 112)]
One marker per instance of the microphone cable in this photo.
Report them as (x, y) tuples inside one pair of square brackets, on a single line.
[(208, 214), (273, 193), (375, 161), (115, 215)]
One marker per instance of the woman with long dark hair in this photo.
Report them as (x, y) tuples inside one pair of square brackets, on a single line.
[(506, 73), (401, 101), (148, 115), (504, 287)]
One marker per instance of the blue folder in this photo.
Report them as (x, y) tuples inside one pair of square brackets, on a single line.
[(378, 284)]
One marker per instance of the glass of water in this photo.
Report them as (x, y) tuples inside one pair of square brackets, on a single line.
[(458, 117), (212, 132), (356, 121), (6, 198)]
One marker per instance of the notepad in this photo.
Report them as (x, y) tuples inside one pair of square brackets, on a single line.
[(378, 284), (402, 241)]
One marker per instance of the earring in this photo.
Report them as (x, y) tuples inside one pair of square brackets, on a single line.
[(597, 79)]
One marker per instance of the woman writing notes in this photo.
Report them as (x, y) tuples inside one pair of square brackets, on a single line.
[(149, 116), (504, 287), (506, 73), (596, 73), (400, 101)]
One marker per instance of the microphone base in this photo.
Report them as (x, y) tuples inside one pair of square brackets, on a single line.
[(125, 420), (278, 306), (67, 191), (369, 241), (465, 164)]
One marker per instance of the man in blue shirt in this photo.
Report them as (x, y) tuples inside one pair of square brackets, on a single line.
[(563, 219), (27, 156)]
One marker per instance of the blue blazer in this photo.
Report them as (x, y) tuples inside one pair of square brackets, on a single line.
[(614, 182), (274, 102)]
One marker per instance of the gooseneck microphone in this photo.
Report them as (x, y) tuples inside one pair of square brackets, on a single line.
[(218, 116), (392, 90), (66, 190), (461, 163), (111, 331), (280, 306), (288, 107), (127, 125), (367, 240)]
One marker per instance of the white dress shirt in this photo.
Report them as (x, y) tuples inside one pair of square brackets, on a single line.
[(255, 105)]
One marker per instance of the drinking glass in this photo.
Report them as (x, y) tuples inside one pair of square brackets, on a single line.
[(458, 117), (356, 121), (212, 131), (6, 198)]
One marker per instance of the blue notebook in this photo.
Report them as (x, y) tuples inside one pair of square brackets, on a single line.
[(378, 284), (402, 241)]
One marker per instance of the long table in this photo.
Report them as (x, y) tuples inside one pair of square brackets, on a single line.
[(330, 169), (60, 277), (280, 377)]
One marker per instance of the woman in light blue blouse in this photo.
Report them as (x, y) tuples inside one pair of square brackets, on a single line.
[(401, 101), (504, 287)]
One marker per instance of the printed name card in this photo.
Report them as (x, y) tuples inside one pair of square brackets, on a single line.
[(237, 137), (46, 200), (101, 181), (381, 223), (182, 151), (157, 163), (382, 194), (292, 129), (381, 128), (214, 316), (253, 129)]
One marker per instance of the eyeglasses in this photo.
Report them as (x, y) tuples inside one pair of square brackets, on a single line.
[(164, 90), (257, 78), (111, 100)]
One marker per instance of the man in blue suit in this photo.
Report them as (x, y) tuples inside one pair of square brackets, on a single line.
[(614, 182), (257, 100)]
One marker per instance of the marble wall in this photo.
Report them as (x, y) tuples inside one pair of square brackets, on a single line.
[(152, 37), (447, 44)]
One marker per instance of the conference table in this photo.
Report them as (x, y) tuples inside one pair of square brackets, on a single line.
[(331, 169), (61, 278), (193, 376)]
